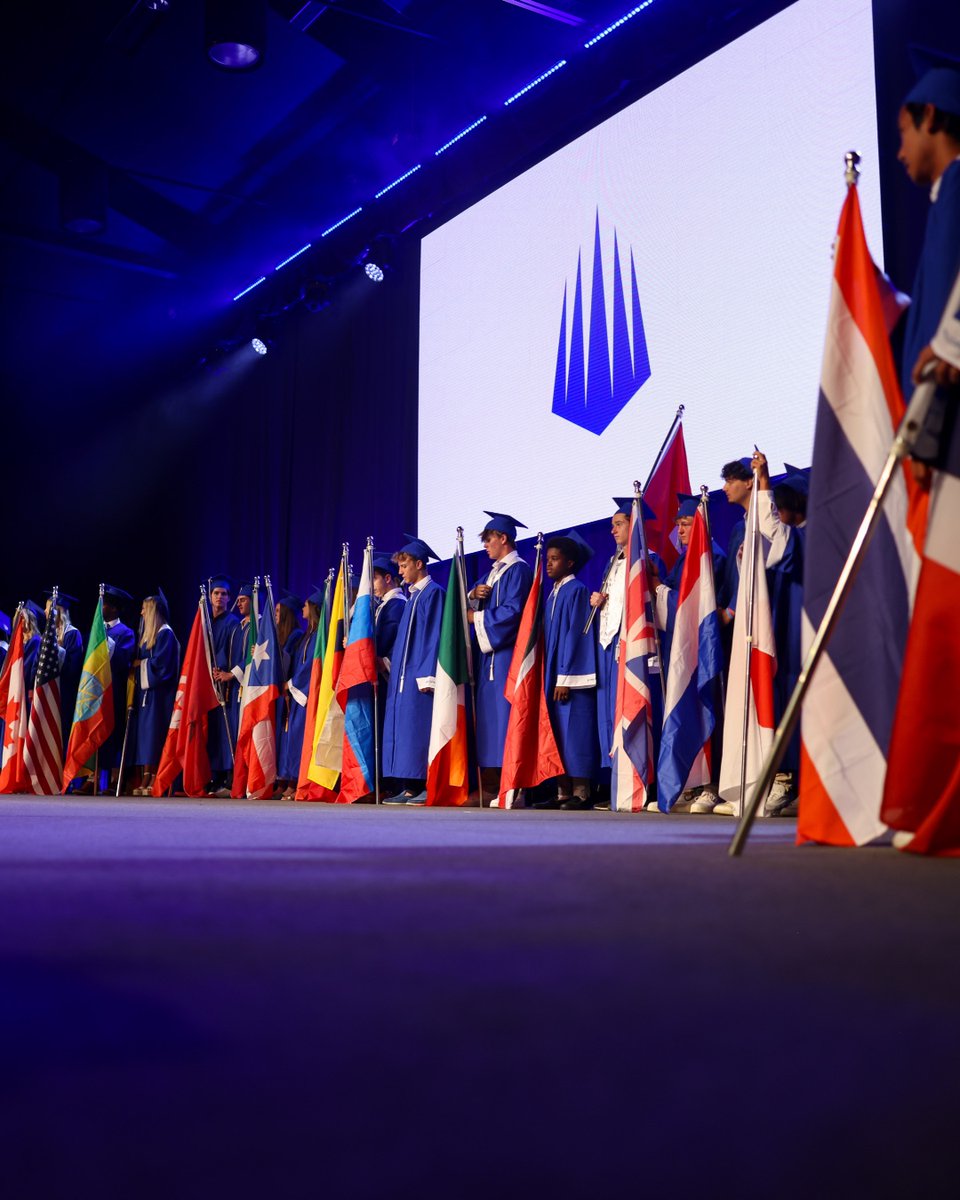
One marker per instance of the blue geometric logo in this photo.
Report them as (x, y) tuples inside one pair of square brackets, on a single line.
[(595, 385)]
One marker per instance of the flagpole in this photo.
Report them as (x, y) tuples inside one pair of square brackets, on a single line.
[(902, 447), (368, 561), (129, 707), (603, 584), (666, 442), (462, 576), (347, 599), (751, 601), (211, 659), (638, 505)]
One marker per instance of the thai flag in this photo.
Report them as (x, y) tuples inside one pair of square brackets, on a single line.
[(355, 693), (694, 685), (257, 738), (758, 644), (922, 792), (849, 707), (632, 768)]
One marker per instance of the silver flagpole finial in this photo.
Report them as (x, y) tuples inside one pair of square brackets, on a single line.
[(851, 162)]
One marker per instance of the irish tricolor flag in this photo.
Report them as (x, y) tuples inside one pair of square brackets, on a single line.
[(447, 773)]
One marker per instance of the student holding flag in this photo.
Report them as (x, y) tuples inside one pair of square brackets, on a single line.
[(157, 668), (121, 646), (298, 692), (495, 609), (409, 707)]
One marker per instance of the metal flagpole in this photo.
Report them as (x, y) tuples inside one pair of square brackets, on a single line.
[(462, 576), (211, 661), (603, 584), (751, 601), (901, 449), (368, 562), (347, 598), (666, 442), (130, 695), (638, 508)]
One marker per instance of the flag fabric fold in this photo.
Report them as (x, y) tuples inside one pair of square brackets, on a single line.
[(632, 759), (185, 748), (448, 781), (670, 476), (530, 753), (849, 706), (255, 761), (355, 694), (14, 711), (43, 745), (760, 721), (324, 758), (93, 716), (694, 684)]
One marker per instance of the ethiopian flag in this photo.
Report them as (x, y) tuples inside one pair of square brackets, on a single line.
[(93, 714), (447, 775), (325, 735)]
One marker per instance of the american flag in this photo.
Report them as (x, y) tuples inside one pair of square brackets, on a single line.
[(43, 748)]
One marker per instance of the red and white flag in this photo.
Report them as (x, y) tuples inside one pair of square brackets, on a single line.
[(43, 747), (186, 746), (530, 754), (13, 711), (760, 723)]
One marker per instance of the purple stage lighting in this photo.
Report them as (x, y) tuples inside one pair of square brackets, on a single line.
[(236, 33)]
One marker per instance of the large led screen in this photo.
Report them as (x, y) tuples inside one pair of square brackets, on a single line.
[(678, 253)]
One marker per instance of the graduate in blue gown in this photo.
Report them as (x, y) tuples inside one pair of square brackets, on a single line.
[(496, 606), (737, 487), (390, 606), (223, 626), (121, 646), (291, 640), (71, 652), (238, 656), (570, 672), (298, 694), (930, 151), (409, 707), (157, 673)]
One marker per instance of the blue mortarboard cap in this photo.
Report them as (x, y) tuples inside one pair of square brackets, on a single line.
[(688, 505), (584, 550), (221, 581), (64, 599), (796, 477), (625, 505), (316, 597), (939, 79), (502, 523), (245, 589), (4, 624), (383, 562), (116, 595), (294, 603), (417, 548), (39, 615)]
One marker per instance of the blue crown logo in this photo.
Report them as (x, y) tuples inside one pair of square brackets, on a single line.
[(590, 391)]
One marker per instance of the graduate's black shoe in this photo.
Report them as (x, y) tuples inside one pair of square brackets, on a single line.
[(554, 803), (578, 804)]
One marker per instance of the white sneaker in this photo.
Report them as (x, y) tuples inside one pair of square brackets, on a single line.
[(684, 801), (725, 809), (902, 839), (652, 806), (706, 802), (780, 796)]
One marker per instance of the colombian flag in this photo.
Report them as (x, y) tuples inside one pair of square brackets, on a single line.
[(93, 714), (320, 771)]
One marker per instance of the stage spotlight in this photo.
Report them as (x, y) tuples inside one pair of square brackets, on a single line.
[(236, 33), (317, 294), (259, 345), (378, 258)]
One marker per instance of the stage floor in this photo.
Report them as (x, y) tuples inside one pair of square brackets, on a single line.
[(215, 998)]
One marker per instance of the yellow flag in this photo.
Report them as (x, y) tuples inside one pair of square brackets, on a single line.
[(327, 754)]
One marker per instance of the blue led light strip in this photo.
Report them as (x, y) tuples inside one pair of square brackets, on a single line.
[(616, 25), (534, 82), (262, 279), (296, 254), (342, 221), (462, 133), (406, 175)]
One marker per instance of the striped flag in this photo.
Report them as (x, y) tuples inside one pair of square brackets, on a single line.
[(922, 791), (355, 693), (632, 767), (325, 737), (692, 702), (305, 789), (447, 770), (43, 746), (93, 715), (14, 711), (670, 476), (255, 761), (530, 753), (849, 706), (760, 721)]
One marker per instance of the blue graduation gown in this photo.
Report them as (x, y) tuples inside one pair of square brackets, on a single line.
[(221, 759), (406, 733), (499, 619), (785, 585), (157, 679), (289, 654), (727, 573), (237, 654), (386, 622), (292, 742), (121, 642), (71, 668), (571, 662)]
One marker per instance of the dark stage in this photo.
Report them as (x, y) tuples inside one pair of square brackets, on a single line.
[(263, 999)]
